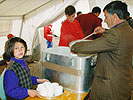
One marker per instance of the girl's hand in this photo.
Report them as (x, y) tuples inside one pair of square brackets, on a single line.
[(42, 80), (33, 93)]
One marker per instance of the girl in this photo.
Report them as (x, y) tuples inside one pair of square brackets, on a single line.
[(18, 81)]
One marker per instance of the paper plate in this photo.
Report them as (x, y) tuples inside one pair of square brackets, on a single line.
[(54, 97)]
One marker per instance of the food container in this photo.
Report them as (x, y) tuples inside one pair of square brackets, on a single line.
[(84, 39), (73, 42), (72, 72)]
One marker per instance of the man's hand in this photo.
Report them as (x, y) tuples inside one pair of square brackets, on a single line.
[(71, 50), (99, 29)]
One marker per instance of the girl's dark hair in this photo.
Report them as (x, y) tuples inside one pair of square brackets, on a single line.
[(69, 10), (6, 57), (117, 7), (10, 46)]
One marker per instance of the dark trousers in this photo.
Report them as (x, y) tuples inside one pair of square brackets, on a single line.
[(129, 98), (49, 44)]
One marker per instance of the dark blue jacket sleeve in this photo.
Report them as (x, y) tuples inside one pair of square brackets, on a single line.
[(11, 86), (34, 80)]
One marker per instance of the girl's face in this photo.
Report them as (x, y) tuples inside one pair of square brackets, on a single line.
[(19, 50)]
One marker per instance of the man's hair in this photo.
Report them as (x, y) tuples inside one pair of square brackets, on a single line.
[(128, 14), (11, 44), (96, 10), (117, 7), (69, 10)]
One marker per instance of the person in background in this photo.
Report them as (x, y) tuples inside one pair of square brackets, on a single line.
[(17, 79), (70, 29), (89, 22), (100, 19), (113, 73), (79, 13), (9, 36), (129, 20), (48, 35), (5, 60)]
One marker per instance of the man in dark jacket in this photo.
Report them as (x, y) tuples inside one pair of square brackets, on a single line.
[(113, 73)]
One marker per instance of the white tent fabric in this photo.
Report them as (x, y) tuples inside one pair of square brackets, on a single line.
[(49, 16), (24, 17), (27, 22), (5, 26)]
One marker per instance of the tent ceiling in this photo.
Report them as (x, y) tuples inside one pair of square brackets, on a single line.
[(14, 8)]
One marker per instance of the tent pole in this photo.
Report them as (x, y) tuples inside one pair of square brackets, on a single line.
[(21, 26)]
